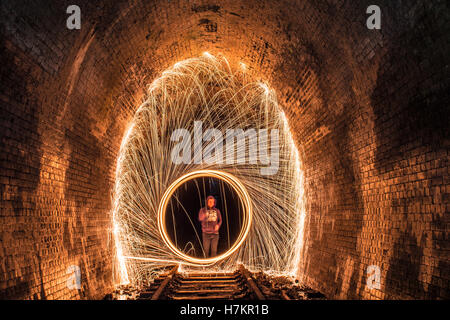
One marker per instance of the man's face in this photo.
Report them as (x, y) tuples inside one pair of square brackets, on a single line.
[(211, 202)]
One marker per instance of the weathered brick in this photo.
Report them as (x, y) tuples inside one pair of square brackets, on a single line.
[(368, 110)]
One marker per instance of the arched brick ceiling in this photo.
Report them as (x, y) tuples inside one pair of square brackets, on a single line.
[(365, 107), (305, 50)]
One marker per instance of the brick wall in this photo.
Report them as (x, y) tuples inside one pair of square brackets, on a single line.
[(368, 110)]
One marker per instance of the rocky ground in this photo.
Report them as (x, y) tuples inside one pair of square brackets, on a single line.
[(281, 287), (123, 293)]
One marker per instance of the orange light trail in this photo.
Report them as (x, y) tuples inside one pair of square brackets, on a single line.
[(243, 196)]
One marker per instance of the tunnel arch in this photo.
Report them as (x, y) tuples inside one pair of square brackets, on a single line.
[(369, 131)]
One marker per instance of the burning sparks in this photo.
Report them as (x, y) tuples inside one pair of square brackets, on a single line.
[(206, 89)]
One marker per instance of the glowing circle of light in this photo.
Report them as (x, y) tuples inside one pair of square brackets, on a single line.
[(242, 194)]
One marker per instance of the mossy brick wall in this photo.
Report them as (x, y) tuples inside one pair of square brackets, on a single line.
[(368, 110)]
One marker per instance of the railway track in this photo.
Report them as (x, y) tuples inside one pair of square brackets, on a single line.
[(198, 286)]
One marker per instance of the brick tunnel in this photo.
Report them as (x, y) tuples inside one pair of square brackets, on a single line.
[(368, 111)]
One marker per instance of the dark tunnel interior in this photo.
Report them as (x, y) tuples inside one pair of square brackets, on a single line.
[(368, 111)]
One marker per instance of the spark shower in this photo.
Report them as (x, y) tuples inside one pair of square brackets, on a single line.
[(206, 89)]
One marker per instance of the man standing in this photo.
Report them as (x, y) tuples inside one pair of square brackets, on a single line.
[(211, 220)]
